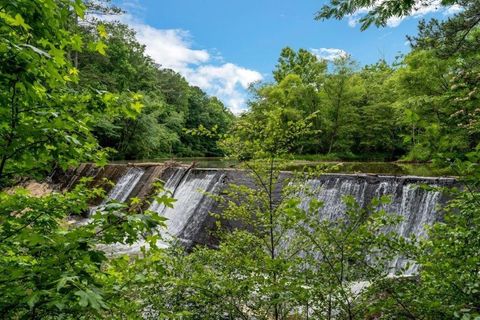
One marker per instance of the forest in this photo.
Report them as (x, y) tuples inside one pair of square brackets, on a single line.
[(77, 88)]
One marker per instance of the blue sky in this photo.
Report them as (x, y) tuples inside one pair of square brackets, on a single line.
[(223, 45)]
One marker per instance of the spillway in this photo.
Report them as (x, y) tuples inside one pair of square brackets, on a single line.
[(192, 206), (124, 187), (190, 220)]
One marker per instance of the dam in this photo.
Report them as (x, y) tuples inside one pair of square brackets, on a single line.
[(191, 222)]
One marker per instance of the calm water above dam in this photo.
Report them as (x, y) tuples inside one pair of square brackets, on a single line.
[(387, 168)]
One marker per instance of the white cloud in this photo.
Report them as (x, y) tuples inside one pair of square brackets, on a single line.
[(418, 11), (225, 81), (329, 54), (173, 49), (453, 10), (170, 48), (352, 21)]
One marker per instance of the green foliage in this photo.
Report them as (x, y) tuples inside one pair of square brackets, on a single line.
[(52, 267), (341, 89), (67, 88), (302, 63), (170, 104), (49, 267), (458, 35), (446, 286), (436, 90), (274, 134), (378, 12), (377, 111), (422, 107), (353, 108), (275, 259), (43, 120)]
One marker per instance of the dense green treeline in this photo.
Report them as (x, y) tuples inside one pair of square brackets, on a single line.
[(411, 110), (131, 107), (170, 104)]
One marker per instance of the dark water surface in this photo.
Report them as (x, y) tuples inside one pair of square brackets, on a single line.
[(386, 168)]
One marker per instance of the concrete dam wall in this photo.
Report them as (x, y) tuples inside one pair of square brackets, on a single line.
[(190, 219)]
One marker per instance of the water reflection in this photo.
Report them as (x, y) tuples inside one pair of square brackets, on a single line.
[(387, 168)]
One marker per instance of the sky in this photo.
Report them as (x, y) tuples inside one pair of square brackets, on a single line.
[(224, 45)]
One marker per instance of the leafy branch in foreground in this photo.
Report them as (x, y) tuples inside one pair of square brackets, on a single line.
[(50, 266), (377, 12)]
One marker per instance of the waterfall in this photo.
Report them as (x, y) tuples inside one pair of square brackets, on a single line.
[(190, 220), (417, 206), (125, 185), (191, 209), (331, 192), (122, 189), (171, 187), (192, 205)]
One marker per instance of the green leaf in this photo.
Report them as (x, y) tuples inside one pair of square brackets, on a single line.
[(33, 299), (84, 298), (91, 298), (16, 21), (79, 8), (100, 47), (137, 106), (20, 22), (77, 42), (101, 31)]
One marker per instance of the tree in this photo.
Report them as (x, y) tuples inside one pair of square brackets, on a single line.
[(270, 219), (296, 100), (210, 113), (377, 12), (422, 84), (340, 91), (49, 269), (170, 103), (439, 82), (302, 63), (458, 34), (276, 257), (455, 44), (379, 132), (43, 122)]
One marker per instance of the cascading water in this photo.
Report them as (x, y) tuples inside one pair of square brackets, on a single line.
[(123, 188), (331, 192), (189, 220), (125, 185), (191, 208), (192, 205), (415, 205)]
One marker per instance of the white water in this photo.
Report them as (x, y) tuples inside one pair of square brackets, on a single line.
[(417, 207), (125, 185), (192, 204), (191, 208), (120, 192), (186, 220)]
